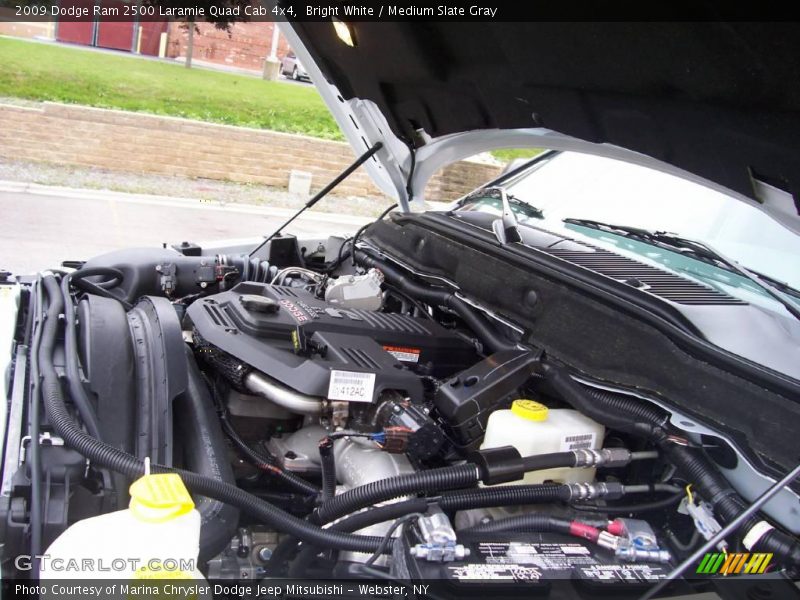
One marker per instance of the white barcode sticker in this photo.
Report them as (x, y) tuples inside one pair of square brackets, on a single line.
[(582, 441), (351, 386)]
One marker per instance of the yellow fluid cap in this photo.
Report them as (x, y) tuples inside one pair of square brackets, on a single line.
[(529, 409), (159, 498)]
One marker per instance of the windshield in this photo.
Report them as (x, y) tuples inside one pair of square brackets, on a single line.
[(572, 185)]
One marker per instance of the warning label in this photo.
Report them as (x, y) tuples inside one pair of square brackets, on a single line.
[(532, 561), (404, 354)]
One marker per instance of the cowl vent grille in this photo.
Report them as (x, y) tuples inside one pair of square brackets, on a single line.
[(652, 280)]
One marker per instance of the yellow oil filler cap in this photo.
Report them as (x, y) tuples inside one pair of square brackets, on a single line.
[(529, 410), (159, 498)]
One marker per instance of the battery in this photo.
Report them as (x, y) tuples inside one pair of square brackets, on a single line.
[(549, 565)]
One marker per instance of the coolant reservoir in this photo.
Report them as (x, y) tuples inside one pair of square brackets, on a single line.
[(532, 429), (157, 537)]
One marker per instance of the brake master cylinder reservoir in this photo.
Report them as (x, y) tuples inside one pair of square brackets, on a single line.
[(533, 429), (157, 537)]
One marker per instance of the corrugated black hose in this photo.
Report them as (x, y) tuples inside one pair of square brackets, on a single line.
[(627, 414), (432, 480), (119, 461), (506, 495)]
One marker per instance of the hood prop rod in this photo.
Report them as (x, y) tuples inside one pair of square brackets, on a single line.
[(324, 191)]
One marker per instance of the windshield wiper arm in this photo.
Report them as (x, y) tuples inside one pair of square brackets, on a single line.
[(506, 229), (700, 250)]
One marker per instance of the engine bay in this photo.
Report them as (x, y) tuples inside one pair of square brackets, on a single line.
[(337, 413)]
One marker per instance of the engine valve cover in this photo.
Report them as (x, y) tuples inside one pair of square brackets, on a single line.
[(323, 350)]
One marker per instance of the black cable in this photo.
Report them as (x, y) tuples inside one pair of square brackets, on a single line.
[(115, 276), (679, 545), (364, 227), (354, 522), (502, 495), (328, 464), (340, 258), (627, 414), (412, 168), (528, 522), (78, 279), (486, 333), (729, 529), (267, 464), (616, 509), (388, 536)]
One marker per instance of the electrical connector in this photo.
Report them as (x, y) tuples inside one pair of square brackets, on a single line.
[(637, 541), (703, 517)]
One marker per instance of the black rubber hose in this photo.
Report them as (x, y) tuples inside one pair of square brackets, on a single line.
[(104, 455), (554, 460), (507, 495), (79, 280), (621, 509), (613, 410), (328, 465), (433, 480), (115, 276), (727, 503), (489, 337), (267, 463), (628, 414), (354, 522), (76, 390), (527, 522), (34, 455), (205, 452)]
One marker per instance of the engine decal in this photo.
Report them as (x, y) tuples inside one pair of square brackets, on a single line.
[(297, 313), (351, 386), (404, 354)]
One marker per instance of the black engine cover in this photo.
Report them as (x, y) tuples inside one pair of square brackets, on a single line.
[(325, 350)]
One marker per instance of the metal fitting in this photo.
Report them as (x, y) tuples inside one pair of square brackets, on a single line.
[(435, 528), (608, 541), (590, 491), (439, 552), (605, 457), (631, 553)]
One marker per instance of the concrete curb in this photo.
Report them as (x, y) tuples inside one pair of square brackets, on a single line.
[(174, 201)]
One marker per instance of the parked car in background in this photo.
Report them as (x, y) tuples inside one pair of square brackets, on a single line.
[(292, 67)]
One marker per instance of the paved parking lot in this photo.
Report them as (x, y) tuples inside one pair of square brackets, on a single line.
[(41, 228)]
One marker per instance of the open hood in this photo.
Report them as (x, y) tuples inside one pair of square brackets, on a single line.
[(714, 102)]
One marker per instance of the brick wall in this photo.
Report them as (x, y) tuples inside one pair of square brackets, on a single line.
[(119, 140), (244, 45), (25, 29)]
